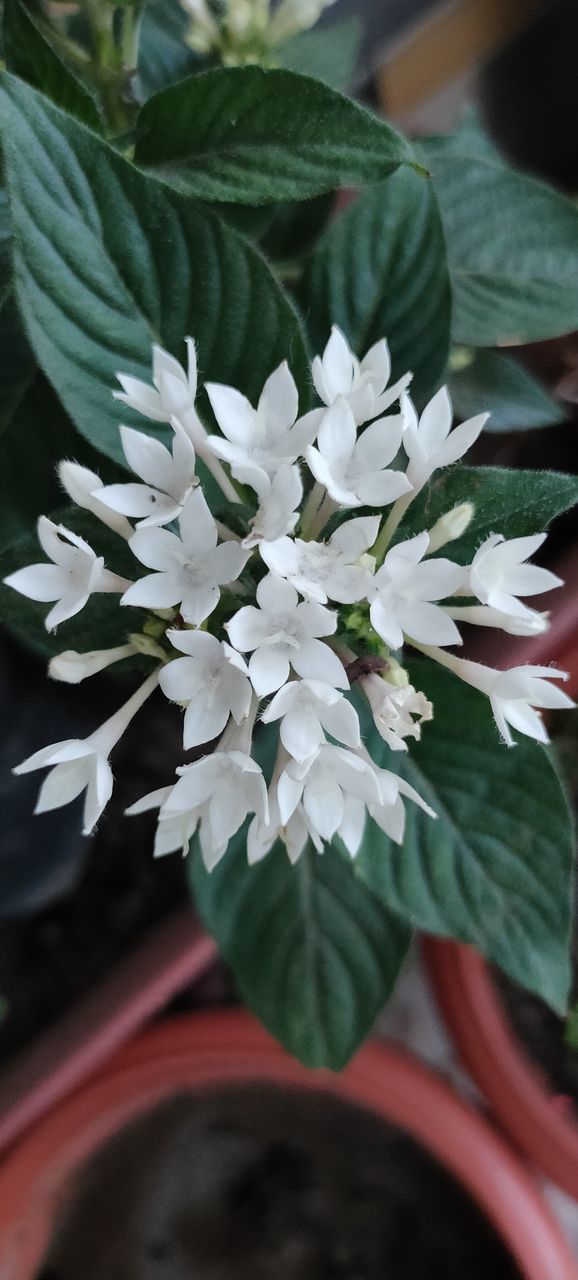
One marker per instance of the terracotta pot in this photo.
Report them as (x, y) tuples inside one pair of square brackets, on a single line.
[(228, 1046), (489, 1049)]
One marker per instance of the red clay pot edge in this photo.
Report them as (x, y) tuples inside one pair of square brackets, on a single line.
[(489, 1049), (224, 1045)]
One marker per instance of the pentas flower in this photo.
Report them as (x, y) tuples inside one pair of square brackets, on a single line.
[(429, 441), (403, 590), (240, 648), (333, 570), (190, 569), (168, 478), (212, 681), (75, 573), (282, 633), (339, 375), (261, 439), (353, 469)]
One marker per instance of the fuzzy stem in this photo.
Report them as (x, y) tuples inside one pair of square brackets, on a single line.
[(388, 529)]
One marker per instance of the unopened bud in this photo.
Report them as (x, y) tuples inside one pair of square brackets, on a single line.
[(395, 674), (450, 526)]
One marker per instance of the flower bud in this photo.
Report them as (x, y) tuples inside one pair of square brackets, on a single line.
[(450, 526)]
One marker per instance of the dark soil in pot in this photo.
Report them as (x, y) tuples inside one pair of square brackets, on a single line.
[(269, 1184)]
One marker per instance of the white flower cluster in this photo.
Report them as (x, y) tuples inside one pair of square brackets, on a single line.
[(241, 28), (275, 620)]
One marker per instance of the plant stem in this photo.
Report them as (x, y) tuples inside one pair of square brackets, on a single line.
[(394, 518)]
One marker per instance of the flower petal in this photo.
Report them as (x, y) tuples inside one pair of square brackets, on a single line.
[(43, 582), (268, 669)]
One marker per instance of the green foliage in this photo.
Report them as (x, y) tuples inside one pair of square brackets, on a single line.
[(253, 136), (495, 868), (163, 55), (329, 54), (381, 270), (514, 503), (107, 262), (30, 54), (515, 400), (314, 954), (512, 245)]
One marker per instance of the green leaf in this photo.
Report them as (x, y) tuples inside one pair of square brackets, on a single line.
[(163, 55), (380, 271), (313, 953), (515, 400), (107, 261), (101, 624), (495, 868), (329, 55), (512, 244), (30, 55), (17, 363), (253, 136), (514, 503)]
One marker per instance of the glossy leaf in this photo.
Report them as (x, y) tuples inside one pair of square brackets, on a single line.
[(516, 401)]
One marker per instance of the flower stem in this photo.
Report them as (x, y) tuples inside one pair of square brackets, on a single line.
[(388, 529)]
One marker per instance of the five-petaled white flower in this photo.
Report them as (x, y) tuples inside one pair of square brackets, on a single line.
[(220, 791), (323, 783), (394, 708), (82, 763), (211, 681), (264, 438), (279, 500), (76, 572), (327, 570), (429, 441), (190, 569), (173, 392), (514, 694), (338, 374), (307, 708), (284, 633), (499, 574), (168, 478), (355, 470), (403, 590)]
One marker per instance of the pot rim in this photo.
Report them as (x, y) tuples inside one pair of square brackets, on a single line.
[(496, 1059), (221, 1046)]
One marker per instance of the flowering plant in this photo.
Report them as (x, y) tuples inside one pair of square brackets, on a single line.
[(288, 545)]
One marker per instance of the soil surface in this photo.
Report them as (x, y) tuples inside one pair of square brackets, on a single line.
[(269, 1184)]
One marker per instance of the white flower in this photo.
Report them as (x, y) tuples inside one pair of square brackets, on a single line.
[(212, 681), (393, 710), (293, 16), (73, 667), (190, 569), (205, 32), (338, 374), (403, 589), (499, 574), (172, 833), (430, 443), (513, 694), (220, 790), (173, 392), (295, 833), (306, 708), (76, 572), (284, 633), (328, 570), (531, 623), (323, 784), (85, 488), (279, 501), (168, 478), (83, 763), (264, 438), (354, 471), (389, 814)]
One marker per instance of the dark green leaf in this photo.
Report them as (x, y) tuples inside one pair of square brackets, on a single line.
[(499, 384), (253, 136), (329, 55), (17, 363), (512, 245), (102, 622), (381, 271), (313, 952), (108, 261), (163, 55), (495, 868), (29, 53), (514, 503)]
